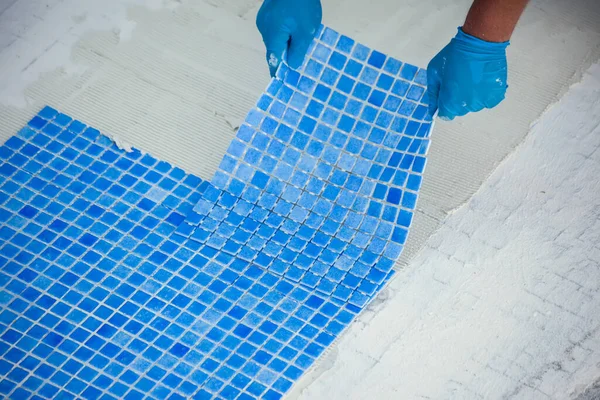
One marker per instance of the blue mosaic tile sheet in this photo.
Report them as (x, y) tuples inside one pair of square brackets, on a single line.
[(122, 276), (100, 299), (321, 182)]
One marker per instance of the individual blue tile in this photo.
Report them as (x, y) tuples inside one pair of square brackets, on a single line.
[(345, 84), (419, 164), (48, 113), (321, 53), (314, 68), (284, 133), (369, 113), (415, 93), (392, 66), (260, 179), (285, 93), (330, 116), (360, 52), (414, 182), (385, 81), (298, 101), (353, 107), (376, 59), (376, 98), (361, 91), (353, 68), (307, 85), (307, 125), (384, 119), (36, 123), (330, 76), (369, 76), (409, 200), (407, 108), (314, 109), (345, 44), (264, 102), (329, 36), (338, 100), (322, 93), (291, 77)]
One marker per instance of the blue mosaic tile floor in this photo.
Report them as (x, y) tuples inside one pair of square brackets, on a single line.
[(122, 276)]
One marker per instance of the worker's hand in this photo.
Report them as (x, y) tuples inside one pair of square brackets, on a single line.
[(288, 25), (468, 75)]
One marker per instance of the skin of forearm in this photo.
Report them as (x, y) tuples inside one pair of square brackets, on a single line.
[(494, 20)]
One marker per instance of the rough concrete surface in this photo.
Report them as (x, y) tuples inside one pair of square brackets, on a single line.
[(592, 392), (502, 303)]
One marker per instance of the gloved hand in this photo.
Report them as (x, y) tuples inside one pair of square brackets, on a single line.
[(468, 75), (288, 25)]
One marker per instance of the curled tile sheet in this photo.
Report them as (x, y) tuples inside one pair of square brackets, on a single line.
[(122, 276), (321, 182)]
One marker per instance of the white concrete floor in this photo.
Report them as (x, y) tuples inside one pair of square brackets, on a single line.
[(175, 77)]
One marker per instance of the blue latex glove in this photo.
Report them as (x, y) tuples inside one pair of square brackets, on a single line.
[(288, 25), (468, 75)]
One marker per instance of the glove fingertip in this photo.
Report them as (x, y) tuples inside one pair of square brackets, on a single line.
[(294, 61), (297, 50)]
